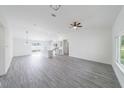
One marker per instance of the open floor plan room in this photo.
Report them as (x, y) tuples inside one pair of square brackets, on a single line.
[(62, 46)]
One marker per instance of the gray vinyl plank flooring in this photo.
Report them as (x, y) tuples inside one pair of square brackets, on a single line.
[(58, 72)]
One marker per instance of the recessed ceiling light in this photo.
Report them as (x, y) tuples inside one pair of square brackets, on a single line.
[(75, 25)]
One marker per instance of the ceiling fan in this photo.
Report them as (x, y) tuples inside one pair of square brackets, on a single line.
[(76, 25)]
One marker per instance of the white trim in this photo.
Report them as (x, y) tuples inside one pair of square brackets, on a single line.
[(119, 44), (117, 52), (121, 66), (116, 66), (117, 49)]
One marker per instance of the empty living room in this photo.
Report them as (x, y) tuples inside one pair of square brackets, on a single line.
[(61, 46)]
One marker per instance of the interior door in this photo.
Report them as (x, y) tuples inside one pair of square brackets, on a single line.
[(65, 47)]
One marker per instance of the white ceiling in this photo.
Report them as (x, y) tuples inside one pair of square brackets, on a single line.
[(38, 18)]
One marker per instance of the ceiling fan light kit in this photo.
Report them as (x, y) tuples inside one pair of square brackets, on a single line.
[(75, 25), (55, 8)]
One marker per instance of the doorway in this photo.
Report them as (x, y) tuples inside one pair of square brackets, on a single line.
[(40, 47), (66, 47)]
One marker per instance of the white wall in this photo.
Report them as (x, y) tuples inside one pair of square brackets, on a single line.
[(118, 29), (6, 45), (5, 49), (20, 47), (92, 45), (2, 50), (8, 48)]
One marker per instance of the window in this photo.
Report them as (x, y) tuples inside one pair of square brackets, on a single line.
[(122, 49), (119, 49)]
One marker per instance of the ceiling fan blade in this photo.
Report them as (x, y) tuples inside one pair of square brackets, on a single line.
[(74, 23), (78, 23), (79, 26)]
